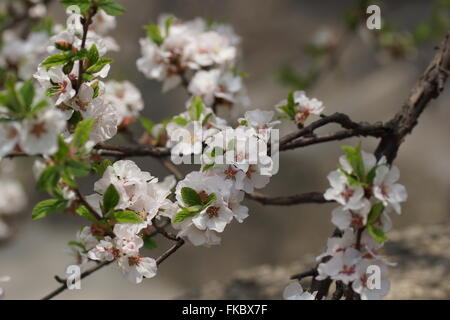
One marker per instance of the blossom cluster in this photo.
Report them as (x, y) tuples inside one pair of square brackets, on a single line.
[(367, 192), (76, 109), (200, 55), (30, 122), (119, 232)]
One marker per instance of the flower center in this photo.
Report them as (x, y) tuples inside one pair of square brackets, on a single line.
[(230, 172), (203, 196), (63, 86), (132, 261), (348, 193), (348, 270), (39, 129), (250, 171), (212, 212)]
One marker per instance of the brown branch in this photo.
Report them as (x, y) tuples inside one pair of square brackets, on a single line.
[(310, 197), (362, 128), (171, 251), (120, 151), (85, 274), (86, 23), (172, 168), (86, 204), (429, 86), (162, 231), (180, 242), (372, 131)]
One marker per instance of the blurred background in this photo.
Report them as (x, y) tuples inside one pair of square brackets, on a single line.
[(359, 79)]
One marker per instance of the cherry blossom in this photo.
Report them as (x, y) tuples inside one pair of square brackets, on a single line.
[(361, 285), (125, 98), (386, 189), (56, 81), (9, 137), (136, 268), (39, 133), (351, 197), (127, 178), (294, 291), (304, 106)]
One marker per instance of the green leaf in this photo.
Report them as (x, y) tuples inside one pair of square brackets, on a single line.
[(87, 76), (99, 65), (196, 108), (205, 121), (12, 98), (168, 24), (371, 175), (110, 198), (208, 166), (86, 213), (63, 150), (100, 167), (46, 207), (290, 112), (78, 168), (82, 132), (154, 34), (83, 4), (149, 243), (38, 107), (375, 213), (50, 92), (111, 7), (180, 121), (147, 124), (48, 179), (377, 234), (93, 56), (184, 214), (58, 59), (26, 94), (77, 244), (354, 158), (190, 197), (211, 198), (291, 100), (126, 216)]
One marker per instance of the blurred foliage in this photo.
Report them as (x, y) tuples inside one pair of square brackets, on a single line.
[(391, 40)]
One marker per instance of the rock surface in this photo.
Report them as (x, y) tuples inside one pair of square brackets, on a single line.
[(423, 265)]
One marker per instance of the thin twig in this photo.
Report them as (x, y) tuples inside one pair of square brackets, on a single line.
[(172, 250), (310, 197), (85, 274)]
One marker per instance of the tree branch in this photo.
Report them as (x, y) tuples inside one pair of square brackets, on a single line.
[(429, 86), (120, 151), (310, 197), (85, 274)]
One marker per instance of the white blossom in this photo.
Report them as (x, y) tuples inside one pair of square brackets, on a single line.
[(105, 120), (350, 196), (366, 288), (294, 291), (13, 197), (137, 268), (386, 189), (57, 81), (39, 133), (9, 137), (126, 99)]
